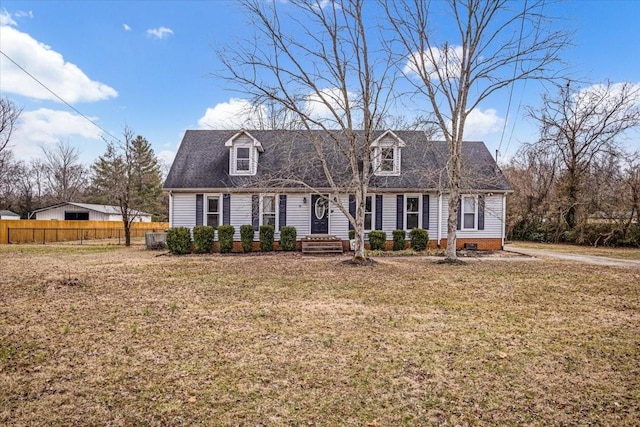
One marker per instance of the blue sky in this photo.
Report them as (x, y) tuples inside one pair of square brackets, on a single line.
[(149, 65)]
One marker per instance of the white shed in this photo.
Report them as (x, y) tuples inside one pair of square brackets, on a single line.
[(8, 215), (86, 211)]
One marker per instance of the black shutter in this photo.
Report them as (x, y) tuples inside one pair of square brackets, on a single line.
[(352, 208), (480, 212), (425, 211), (226, 209), (400, 211), (378, 211), (255, 212), (199, 208), (282, 219), (459, 213)]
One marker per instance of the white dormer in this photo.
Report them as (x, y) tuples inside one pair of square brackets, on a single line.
[(386, 154), (243, 154)]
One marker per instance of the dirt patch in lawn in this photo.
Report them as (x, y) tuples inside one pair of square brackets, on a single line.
[(121, 336)]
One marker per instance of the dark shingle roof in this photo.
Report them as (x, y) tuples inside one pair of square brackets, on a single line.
[(202, 162)]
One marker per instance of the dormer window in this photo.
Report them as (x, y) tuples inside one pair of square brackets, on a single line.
[(243, 159), (244, 150), (385, 153), (386, 159)]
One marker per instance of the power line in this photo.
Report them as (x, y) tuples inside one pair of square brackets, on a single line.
[(58, 96), (515, 67)]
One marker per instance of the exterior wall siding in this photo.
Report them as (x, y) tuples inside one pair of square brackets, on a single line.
[(299, 213), (492, 219), (240, 213), (184, 210), (298, 216), (338, 223)]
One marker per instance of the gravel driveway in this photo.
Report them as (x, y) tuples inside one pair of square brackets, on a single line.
[(589, 259)]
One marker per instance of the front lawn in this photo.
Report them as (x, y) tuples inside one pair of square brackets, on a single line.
[(126, 337)]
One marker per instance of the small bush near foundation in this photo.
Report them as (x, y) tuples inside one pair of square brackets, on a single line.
[(288, 237), (266, 238), (419, 239), (377, 239), (246, 237), (225, 238), (179, 240), (399, 237), (203, 239), (352, 234)]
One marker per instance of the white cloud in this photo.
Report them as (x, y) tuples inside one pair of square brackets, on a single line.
[(49, 67), (126, 27), (447, 61), (319, 106), (481, 123), (159, 33), (235, 114), (5, 18), (43, 127), (23, 14)]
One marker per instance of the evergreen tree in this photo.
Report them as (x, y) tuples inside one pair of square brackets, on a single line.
[(128, 175)]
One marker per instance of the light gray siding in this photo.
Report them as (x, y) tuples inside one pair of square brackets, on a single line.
[(492, 219), (338, 223), (389, 214), (299, 213), (240, 213), (184, 210)]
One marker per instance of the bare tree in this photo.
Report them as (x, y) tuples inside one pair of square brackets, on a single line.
[(65, 176), (9, 115), (533, 175), (321, 73), (496, 44), (582, 127)]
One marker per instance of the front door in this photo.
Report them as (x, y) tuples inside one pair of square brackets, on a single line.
[(319, 214)]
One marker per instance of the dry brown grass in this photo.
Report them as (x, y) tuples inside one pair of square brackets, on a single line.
[(118, 336), (620, 253)]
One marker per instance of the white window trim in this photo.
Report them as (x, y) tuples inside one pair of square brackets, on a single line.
[(205, 207), (373, 211), (276, 207), (406, 223), (254, 148), (233, 160), (377, 160), (462, 212)]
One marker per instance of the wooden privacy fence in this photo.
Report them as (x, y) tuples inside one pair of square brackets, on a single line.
[(41, 231)]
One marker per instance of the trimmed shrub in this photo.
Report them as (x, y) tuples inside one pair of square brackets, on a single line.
[(399, 238), (203, 239), (352, 234), (288, 237), (225, 238), (419, 239), (246, 237), (266, 237), (377, 239), (179, 240)]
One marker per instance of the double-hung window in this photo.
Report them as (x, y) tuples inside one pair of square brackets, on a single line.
[(269, 211), (368, 213), (412, 213), (387, 159), (243, 159), (469, 212), (213, 211)]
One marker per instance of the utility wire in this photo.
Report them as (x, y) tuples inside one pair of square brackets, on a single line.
[(58, 96), (515, 67)]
